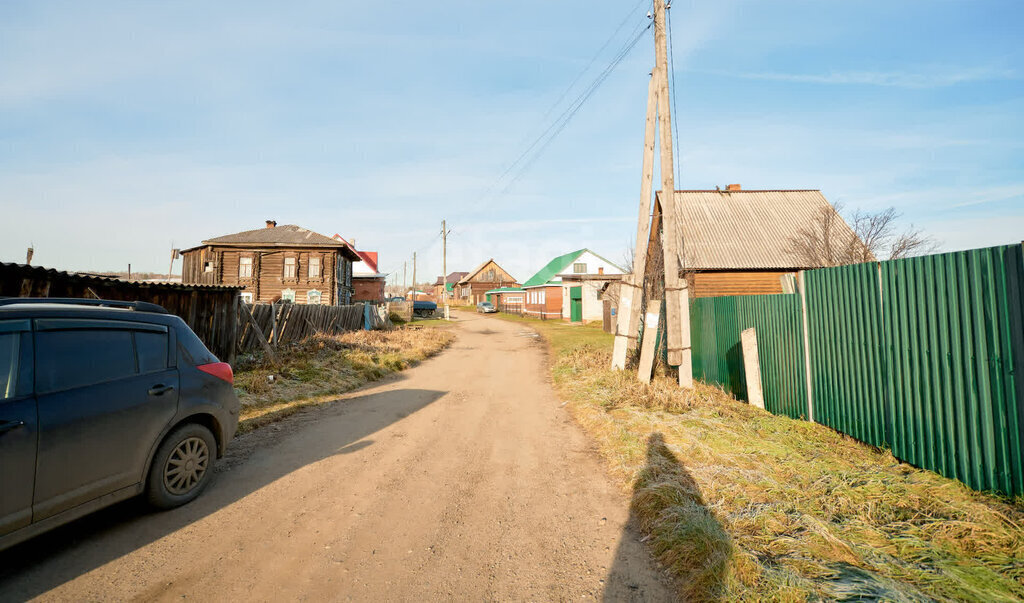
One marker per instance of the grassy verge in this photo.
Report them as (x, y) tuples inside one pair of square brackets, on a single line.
[(740, 504), (317, 370)]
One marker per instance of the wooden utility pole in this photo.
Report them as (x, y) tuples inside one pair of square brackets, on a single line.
[(444, 262), (665, 228), (414, 276), (631, 292), (672, 236), (405, 282)]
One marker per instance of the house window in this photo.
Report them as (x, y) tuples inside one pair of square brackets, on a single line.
[(314, 268), (207, 266), (244, 267), (288, 295), (313, 297), (289, 267), (543, 296), (246, 297), (579, 268), (489, 277)]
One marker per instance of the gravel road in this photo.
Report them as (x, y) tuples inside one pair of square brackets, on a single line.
[(463, 478)]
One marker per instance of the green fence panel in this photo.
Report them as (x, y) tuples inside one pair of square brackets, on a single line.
[(716, 325), (844, 323), (955, 349)]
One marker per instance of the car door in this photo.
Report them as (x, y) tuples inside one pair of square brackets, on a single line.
[(17, 425), (105, 392)]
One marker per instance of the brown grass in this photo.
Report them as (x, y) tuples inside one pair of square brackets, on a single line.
[(318, 369), (744, 505)]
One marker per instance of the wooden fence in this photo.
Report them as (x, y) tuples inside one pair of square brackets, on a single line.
[(210, 311), (281, 324)]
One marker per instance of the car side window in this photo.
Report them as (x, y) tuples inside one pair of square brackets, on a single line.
[(69, 359), (10, 355), (152, 351)]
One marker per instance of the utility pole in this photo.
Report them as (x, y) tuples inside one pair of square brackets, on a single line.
[(414, 276), (405, 282), (664, 227)]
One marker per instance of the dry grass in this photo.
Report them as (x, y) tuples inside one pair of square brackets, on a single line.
[(317, 370), (744, 505)]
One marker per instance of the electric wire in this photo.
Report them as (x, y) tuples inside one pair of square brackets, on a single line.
[(556, 128)]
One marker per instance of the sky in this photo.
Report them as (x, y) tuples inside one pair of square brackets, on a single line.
[(129, 128)]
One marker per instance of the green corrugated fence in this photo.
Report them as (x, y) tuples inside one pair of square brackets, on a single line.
[(922, 355), (844, 323), (716, 324), (955, 350)]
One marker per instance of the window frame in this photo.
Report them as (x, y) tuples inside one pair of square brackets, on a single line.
[(288, 295), (579, 268), (243, 261), (319, 297), (294, 265), (314, 260)]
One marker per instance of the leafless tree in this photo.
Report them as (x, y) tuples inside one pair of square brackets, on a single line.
[(864, 237)]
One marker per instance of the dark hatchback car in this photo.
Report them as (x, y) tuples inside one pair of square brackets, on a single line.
[(99, 402)]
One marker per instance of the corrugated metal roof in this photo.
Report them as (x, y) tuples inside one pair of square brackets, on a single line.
[(552, 268), (748, 229)]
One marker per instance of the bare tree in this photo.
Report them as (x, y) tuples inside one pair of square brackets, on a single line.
[(865, 237)]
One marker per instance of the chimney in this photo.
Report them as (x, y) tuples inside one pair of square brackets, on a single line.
[(600, 269), (271, 223), (732, 187)]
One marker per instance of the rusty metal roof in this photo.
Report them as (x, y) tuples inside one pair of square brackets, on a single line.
[(11, 270), (748, 229)]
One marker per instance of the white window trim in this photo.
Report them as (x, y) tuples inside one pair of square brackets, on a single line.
[(309, 269), (294, 266), (245, 262), (288, 294), (314, 293), (246, 297)]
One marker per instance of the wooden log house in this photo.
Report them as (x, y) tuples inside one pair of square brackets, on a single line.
[(275, 263)]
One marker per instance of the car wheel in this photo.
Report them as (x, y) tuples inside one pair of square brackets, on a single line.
[(181, 467)]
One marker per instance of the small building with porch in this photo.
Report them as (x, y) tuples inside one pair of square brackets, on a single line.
[(569, 287), (472, 288)]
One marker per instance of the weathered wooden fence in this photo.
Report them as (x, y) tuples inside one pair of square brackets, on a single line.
[(210, 311), (282, 324), (923, 355)]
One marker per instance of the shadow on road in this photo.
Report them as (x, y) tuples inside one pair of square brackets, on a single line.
[(47, 561), (669, 512)]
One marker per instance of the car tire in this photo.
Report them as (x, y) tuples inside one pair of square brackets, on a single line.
[(182, 467)]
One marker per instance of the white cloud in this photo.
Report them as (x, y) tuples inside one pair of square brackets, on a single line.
[(926, 78)]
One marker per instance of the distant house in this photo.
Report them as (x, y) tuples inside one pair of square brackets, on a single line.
[(569, 287), (506, 299), (367, 281), (740, 242), (473, 288), (448, 283), (275, 263)]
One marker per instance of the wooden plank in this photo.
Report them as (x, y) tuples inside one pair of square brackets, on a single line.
[(647, 349), (631, 290), (259, 335), (686, 363)]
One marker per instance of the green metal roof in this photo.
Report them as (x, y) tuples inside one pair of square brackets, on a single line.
[(554, 267), (504, 290)]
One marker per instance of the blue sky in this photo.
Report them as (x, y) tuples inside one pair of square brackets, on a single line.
[(128, 126)]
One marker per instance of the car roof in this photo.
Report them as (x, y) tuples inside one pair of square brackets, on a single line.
[(15, 308)]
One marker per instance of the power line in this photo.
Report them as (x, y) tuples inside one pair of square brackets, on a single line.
[(530, 154), (552, 132)]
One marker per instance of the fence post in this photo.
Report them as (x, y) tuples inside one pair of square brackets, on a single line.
[(802, 282), (686, 364), (367, 323), (647, 347), (752, 367)]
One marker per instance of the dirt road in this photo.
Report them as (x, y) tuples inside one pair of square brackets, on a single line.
[(463, 478)]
